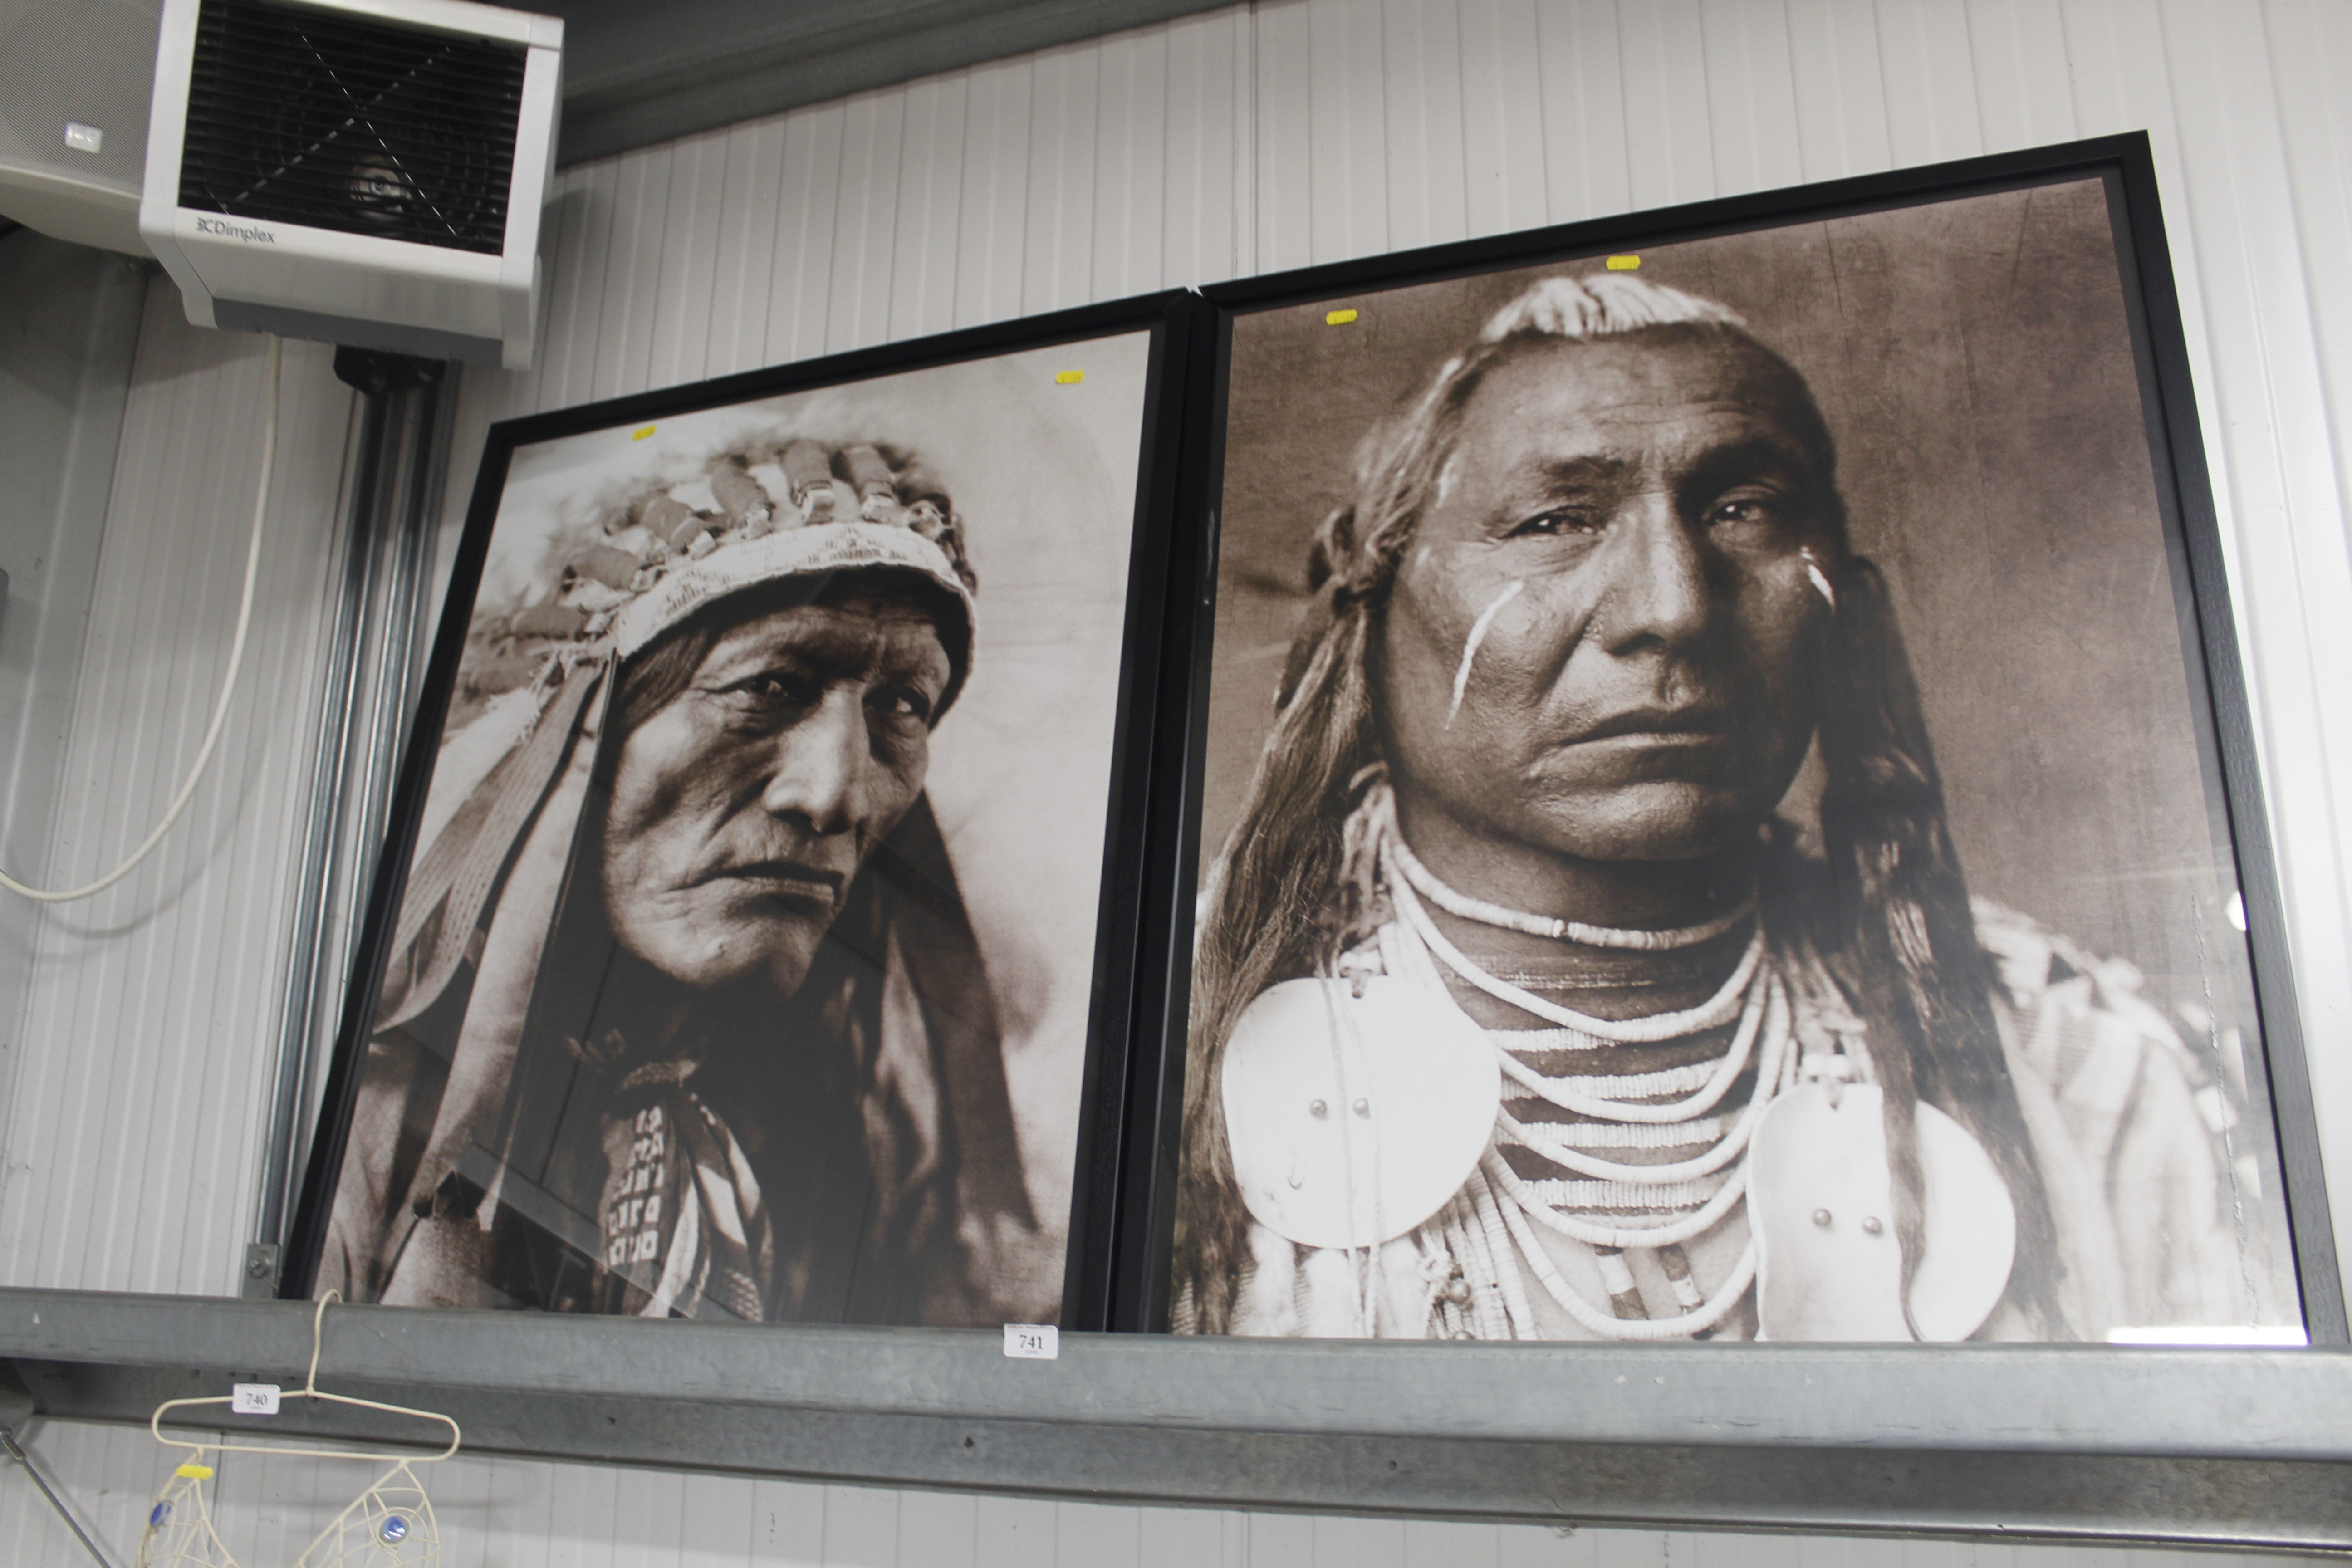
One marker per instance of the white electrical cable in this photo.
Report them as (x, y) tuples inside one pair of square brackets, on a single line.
[(228, 682)]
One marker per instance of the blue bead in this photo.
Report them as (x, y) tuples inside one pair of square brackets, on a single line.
[(394, 1527), (157, 1515)]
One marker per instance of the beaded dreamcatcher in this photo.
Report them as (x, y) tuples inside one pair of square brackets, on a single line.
[(389, 1525)]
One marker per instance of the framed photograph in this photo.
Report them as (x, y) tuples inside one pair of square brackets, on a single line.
[(755, 935), (1724, 806)]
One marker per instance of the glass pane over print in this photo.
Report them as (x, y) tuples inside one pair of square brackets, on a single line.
[(744, 966), (1710, 828)]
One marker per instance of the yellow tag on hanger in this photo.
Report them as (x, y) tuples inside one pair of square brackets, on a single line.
[(641, 434), (196, 1472), (1070, 378), (1623, 263), (1337, 318)]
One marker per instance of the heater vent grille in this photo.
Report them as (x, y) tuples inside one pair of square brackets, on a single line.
[(345, 122)]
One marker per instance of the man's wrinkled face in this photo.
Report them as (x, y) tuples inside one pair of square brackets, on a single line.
[(1601, 640), (741, 809)]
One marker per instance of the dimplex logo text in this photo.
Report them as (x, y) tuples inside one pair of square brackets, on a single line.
[(234, 231)]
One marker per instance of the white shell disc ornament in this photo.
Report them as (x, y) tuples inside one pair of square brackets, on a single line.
[(1823, 1205), (1353, 1118)]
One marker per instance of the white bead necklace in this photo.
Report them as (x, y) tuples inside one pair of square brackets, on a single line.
[(1592, 1319), (1625, 938), (1754, 994), (1658, 1027), (1585, 1103)]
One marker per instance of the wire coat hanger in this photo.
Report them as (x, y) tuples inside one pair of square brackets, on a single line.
[(389, 1525), (310, 1390)]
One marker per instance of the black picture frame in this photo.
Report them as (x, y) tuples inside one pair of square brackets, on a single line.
[(1134, 861), (2202, 601)]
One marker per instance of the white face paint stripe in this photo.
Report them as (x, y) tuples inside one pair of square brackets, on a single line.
[(1821, 583), (1478, 634)]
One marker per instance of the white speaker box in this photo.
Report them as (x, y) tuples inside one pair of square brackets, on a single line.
[(76, 77)]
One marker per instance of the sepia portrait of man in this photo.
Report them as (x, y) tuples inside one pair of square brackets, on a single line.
[(742, 969), (1618, 927)]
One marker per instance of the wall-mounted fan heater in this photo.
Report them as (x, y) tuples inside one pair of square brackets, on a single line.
[(364, 171)]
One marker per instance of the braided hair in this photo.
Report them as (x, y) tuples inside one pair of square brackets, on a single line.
[(1289, 893)]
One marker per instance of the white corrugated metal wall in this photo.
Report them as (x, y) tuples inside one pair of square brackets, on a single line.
[(140, 1092), (1238, 141)]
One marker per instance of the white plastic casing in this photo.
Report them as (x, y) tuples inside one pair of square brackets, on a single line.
[(353, 288)]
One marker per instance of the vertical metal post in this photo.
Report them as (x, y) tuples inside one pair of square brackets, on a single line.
[(392, 489)]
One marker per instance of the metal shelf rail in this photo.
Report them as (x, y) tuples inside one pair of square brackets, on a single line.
[(2238, 1447)]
